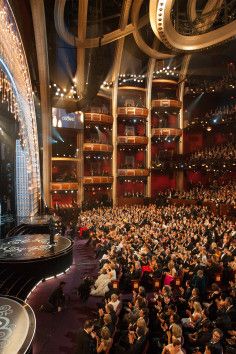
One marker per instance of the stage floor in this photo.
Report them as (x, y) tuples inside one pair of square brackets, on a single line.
[(32, 247), (37, 220), (17, 325)]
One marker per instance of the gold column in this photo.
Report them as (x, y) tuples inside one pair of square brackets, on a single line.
[(114, 141), (182, 76), (40, 33), (151, 67), (80, 167)]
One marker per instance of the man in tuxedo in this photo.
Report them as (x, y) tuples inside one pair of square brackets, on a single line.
[(230, 309), (137, 341), (215, 341), (86, 343), (226, 256)]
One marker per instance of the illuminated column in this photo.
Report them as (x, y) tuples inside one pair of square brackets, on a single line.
[(40, 33), (80, 167), (114, 141), (151, 67), (182, 77)]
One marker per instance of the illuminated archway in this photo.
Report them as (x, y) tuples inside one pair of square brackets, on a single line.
[(16, 90)]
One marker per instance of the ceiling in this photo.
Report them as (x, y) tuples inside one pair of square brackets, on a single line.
[(104, 17)]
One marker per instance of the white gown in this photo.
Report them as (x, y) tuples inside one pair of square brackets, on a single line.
[(101, 285)]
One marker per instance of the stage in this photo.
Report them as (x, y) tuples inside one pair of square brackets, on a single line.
[(17, 326), (36, 220), (34, 255)]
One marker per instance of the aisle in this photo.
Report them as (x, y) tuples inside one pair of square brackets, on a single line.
[(56, 333)]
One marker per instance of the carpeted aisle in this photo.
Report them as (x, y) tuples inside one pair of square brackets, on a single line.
[(56, 333)]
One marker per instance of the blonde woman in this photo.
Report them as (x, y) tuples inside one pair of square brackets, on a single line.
[(194, 317), (105, 342)]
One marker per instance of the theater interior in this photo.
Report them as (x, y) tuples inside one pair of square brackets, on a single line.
[(117, 176)]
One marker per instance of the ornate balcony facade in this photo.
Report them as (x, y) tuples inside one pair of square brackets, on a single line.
[(97, 179), (166, 103), (133, 172), (97, 147), (157, 132), (62, 186), (138, 112), (132, 140), (98, 118)]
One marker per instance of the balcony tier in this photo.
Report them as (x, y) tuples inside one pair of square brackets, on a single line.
[(165, 103), (165, 82), (134, 172), (60, 186), (137, 140), (98, 118), (166, 132), (97, 147), (97, 179), (71, 159), (132, 112)]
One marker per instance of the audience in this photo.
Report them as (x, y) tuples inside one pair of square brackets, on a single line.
[(189, 253)]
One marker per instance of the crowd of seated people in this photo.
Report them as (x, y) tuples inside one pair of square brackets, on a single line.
[(217, 152), (216, 193), (133, 194), (192, 253), (223, 114), (214, 156)]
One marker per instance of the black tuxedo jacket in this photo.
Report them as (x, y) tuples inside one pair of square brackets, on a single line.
[(85, 343)]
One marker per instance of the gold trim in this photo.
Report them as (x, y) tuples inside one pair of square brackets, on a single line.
[(133, 172), (97, 179), (132, 88), (166, 132), (98, 118), (72, 159), (166, 103), (97, 147), (164, 81), (60, 186), (132, 111), (136, 140)]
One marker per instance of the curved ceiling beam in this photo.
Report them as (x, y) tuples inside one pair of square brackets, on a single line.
[(82, 27), (120, 43), (59, 8), (163, 28), (138, 38), (208, 16), (90, 42)]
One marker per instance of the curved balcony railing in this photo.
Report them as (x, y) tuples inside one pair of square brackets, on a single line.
[(138, 112), (133, 172), (98, 118), (137, 140), (166, 103), (166, 132), (165, 82), (97, 147), (60, 186), (97, 179)]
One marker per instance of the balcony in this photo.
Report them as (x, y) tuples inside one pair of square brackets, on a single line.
[(97, 147), (165, 82), (61, 186), (98, 118), (138, 112), (98, 179), (158, 132), (133, 172), (166, 103), (131, 140)]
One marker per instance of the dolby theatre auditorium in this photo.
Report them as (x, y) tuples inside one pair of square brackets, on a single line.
[(117, 176)]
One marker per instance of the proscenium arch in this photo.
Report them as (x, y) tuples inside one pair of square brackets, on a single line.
[(15, 67)]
